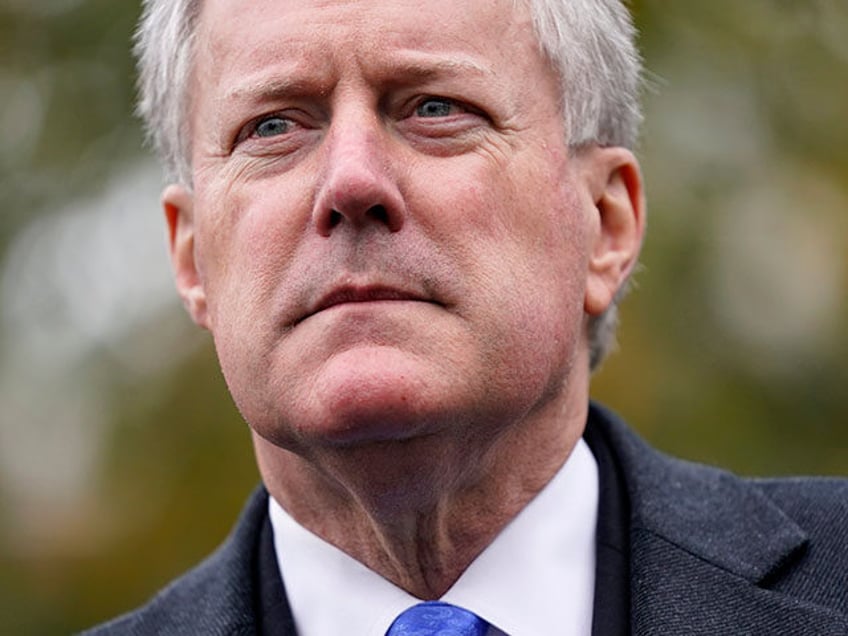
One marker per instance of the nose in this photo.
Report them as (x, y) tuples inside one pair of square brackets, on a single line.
[(359, 187)]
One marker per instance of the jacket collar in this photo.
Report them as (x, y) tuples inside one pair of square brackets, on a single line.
[(705, 546)]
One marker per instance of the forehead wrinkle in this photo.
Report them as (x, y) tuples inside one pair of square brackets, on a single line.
[(400, 70), (416, 65), (403, 68)]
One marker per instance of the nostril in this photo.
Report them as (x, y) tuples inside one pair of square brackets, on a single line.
[(379, 214), (332, 218)]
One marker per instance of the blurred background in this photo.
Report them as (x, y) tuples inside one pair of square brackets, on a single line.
[(122, 458)]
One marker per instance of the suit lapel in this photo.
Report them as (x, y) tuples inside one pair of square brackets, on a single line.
[(675, 591), (705, 546)]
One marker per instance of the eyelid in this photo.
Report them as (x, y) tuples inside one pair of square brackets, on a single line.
[(464, 106), (417, 102), (300, 118), (248, 130)]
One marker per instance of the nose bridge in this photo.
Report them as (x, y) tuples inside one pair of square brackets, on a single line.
[(359, 186), (355, 156)]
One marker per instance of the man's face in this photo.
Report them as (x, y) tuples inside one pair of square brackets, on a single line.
[(390, 238)]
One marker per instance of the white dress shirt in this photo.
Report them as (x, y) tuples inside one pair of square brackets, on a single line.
[(537, 578)]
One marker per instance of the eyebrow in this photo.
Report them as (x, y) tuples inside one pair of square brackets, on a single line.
[(423, 66), (408, 69), (266, 89)]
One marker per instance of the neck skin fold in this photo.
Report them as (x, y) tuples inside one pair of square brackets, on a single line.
[(419, 511)]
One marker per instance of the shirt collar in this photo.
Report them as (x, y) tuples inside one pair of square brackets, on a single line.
[(536, 577)]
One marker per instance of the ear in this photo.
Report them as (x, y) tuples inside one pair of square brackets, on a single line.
[(178, 203), (615, 184)]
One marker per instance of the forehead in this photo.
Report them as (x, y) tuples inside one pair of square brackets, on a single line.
[(249, 35)]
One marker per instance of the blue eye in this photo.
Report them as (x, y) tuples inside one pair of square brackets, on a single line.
[(435, 107), (272, 126)]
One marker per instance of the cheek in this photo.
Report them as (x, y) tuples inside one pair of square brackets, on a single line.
[(516, 225), (245, 245), (518, 238)]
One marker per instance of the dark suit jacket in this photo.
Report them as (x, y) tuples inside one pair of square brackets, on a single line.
[(710, 554)]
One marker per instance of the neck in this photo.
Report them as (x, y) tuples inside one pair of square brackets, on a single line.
[(419, 511)]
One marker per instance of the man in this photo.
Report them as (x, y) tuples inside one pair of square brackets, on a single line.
[(406, 227)]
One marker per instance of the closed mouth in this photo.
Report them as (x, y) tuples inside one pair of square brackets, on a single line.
[(363, 294)]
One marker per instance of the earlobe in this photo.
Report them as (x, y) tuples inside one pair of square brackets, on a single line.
[(615, 183), (178, 204)]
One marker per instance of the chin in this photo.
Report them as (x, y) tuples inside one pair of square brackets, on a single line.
[(376, 394)]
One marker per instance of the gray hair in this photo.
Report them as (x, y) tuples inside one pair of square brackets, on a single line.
[(590, 43)]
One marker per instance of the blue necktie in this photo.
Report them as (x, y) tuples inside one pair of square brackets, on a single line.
[(435, 618)]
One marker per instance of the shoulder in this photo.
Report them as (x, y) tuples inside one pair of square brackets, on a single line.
[(783, 541), (819, 506), (653, 475), (813, 498), (215, 597)]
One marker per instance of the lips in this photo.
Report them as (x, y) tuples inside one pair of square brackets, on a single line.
[(363, 294)]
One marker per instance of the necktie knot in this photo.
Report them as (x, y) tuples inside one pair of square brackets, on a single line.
[(435, 618)]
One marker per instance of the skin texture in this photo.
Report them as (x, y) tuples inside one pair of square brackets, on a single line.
[(396, 253)]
